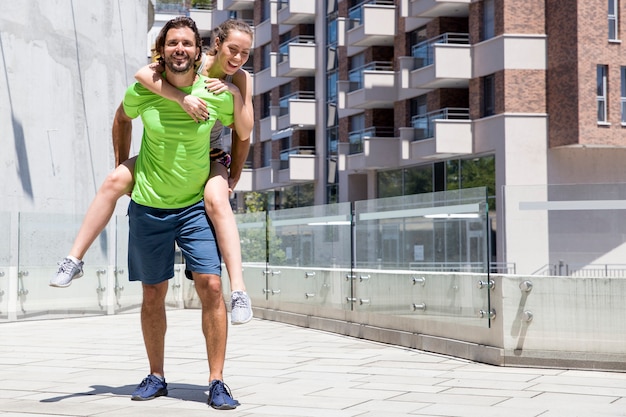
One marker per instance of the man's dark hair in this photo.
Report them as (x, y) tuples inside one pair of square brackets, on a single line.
[(175, 23)]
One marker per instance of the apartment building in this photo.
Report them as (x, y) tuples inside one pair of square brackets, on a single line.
[(362, 99)]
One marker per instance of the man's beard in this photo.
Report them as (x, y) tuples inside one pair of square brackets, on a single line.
[(175, 67)]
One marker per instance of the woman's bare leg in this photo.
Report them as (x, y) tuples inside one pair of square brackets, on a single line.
[(116, 184), (119, 182), (221, 214)]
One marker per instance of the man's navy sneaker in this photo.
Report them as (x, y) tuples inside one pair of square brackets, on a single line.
[(151, 387), (220, 397)]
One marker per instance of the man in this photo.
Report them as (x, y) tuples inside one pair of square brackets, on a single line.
[(166, 207)]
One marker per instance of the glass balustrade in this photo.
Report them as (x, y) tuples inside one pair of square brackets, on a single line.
[(419, 264)]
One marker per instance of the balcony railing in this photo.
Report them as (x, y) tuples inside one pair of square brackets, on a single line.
[(283, 49), (423, 51), (357, 137), (171, 7), (424, 123), (355, 13), (203, 5), (298, 95), (356, 75), (298, 150)]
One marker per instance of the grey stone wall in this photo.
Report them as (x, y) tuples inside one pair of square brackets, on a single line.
[(64, 67)]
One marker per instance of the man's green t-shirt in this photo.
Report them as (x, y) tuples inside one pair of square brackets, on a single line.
[(173, 162)]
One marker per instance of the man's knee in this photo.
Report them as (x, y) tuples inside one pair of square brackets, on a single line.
[(210, 285), (154, 294)]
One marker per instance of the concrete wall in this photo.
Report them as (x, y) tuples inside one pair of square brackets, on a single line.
[(65, 65)]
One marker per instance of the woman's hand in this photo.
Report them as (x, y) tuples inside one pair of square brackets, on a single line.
[(195, 107), (216, 86)]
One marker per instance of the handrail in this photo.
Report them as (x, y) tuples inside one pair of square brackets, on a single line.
[(283, 48), (296, 150), (283, 102), (298, 95), (355, 13), (423, 51), (356, 137), (355, 76), (582, 270), (424, 123)]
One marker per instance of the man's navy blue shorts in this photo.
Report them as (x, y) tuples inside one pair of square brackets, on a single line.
[(151, 238)]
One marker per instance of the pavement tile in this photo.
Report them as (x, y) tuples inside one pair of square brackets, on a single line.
[(87, 367)]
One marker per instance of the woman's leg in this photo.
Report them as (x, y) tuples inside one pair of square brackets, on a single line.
[(116, 184), (218, 209), (221, 214)]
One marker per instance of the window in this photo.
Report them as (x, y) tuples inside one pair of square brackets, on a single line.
[(489, 19), (419, 105), (265, 10), (332, 31), (602, 88), (266, 103), (623, 94), (613, 14), (355, 75), (265, 56), (266, 153), (489, 96), (331, 86), (419, 118)]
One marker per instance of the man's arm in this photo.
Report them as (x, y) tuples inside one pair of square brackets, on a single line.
[(121, 132), (239, 154)]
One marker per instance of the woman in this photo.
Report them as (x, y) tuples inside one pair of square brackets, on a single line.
[(222, 64)]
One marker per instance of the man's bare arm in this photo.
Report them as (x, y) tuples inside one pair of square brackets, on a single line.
[(121, 132)]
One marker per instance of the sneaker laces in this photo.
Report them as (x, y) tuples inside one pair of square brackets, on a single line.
[(65, 266), (151, 380), (220, 388), (239, 301)]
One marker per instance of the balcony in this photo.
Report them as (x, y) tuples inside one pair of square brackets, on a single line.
[(297, 165), (206, 19), (297, 109), (442, 133), (371, 148), (263, 81), (295, 58), (263, 178), (441, 62), (371, 23), (265, 128), (525, 52), (370, 86), (295, 12), (435, 8), (245, 180), (235, 5)]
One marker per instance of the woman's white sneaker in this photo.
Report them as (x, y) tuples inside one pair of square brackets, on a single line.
[(68, 270), (241, 308)]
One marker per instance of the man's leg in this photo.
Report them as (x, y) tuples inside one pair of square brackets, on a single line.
[(215, 329), (214, 321), (154, 325)]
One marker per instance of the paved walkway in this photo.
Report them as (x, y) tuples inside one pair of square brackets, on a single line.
[(88, 367)]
